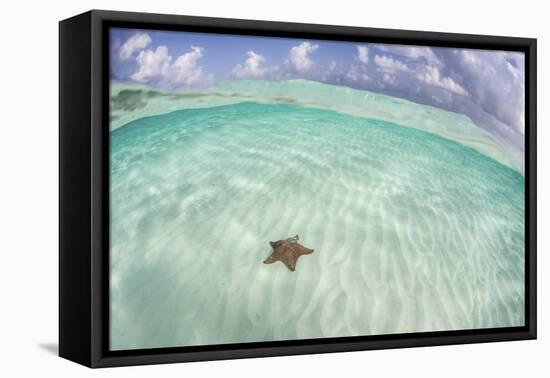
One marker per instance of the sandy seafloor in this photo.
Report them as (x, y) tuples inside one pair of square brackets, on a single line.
[(417, 225)]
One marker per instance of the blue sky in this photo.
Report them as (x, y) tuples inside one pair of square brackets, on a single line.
[(487, 86), (222, 52)]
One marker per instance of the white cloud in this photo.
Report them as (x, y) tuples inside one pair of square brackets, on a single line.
[(363, 54), (133, 44), (389, 79), (357, 74), (298, 56), (156, 67), (333, 73), (152, 65), (413, 52), (185, 70), (431, 75), (251, 68), (389, 64), (469, 57), (515, 71), (416, 52), (436, 99), (497, 82)]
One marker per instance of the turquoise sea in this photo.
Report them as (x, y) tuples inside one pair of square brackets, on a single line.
[(412, 231)]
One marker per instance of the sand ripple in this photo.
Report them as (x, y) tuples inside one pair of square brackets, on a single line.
[(412, 232)]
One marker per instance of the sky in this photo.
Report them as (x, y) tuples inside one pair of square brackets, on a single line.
[(487, 86)]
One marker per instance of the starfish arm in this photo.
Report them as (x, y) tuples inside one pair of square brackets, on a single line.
[(270, 260), (275, 244), (301, 250), (290, 262)]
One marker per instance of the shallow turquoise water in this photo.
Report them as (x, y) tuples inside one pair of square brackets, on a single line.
[(412, 232)]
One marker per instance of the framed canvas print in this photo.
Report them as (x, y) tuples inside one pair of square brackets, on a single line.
[(234, 188)]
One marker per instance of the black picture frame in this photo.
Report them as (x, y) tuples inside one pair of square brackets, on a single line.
[(84, 188)]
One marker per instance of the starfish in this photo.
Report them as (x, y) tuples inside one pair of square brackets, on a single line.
[(287, 251)]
